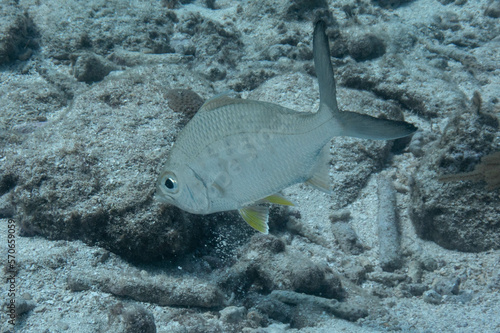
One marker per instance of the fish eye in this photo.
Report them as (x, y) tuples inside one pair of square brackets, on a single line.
[(170, 183)]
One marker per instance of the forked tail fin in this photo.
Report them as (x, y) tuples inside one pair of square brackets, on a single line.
[(348, 123), (324, 69), (367, 127)]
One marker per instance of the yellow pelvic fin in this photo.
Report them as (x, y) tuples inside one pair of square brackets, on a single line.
[(257, 217), (278, 199)]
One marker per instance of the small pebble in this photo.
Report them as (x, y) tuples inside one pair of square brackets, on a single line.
[(432, 297), (184, 101), (429, 264), (233, 314), (27, 296), (447, 286), (67, 299), (340, 215), (63, 326), (386, 278), (23, 306), (415, 271)]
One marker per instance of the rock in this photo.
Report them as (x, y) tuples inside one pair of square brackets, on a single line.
[(62, 325), (348, 311), (23, 306), (397, 84), (215, 43), (233, 314), (26, 103), (447, 286), (257, 319), (415, 271), (7, 210), (390, 3), (352, 170), (458, 215), (301, 9), (355, 271), (130, 319), (347, 238), (81, 178), (275, 309), (92, 68), (251, 79), (432, 297), (102, 31), (276, 51), (18, 34), (266, 265), (184, 101), (161, 290), (138, 319), (413, 289), (183, 46), (416, 144), (462, 298), (366, 47), (388, 225), (305, 315), (216, 74), (418, 141), (493, 9), (78, 282), (386, 278), (494, 282), (428, 263), (7, 182), (339, 46), (210, 4), (340, 215)]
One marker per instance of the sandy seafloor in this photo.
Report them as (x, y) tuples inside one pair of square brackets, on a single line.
[(44, 265)]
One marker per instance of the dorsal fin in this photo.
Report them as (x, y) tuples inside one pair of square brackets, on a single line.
[(220, 100)]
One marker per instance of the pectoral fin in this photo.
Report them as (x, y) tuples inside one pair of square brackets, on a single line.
[(320, 178), (257, 217)]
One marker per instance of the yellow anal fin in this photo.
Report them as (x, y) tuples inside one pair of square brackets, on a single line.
[(256, 217), (278, 199)]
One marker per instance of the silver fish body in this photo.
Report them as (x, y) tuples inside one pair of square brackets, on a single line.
[(234, 154), (243, 151)]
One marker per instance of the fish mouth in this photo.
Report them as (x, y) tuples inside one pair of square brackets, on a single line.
[(162, 197)]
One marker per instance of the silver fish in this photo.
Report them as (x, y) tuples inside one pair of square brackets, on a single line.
[(237, 154)]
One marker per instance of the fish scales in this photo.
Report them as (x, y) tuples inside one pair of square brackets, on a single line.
[(272, 146), (252, 117), (237, 154)]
